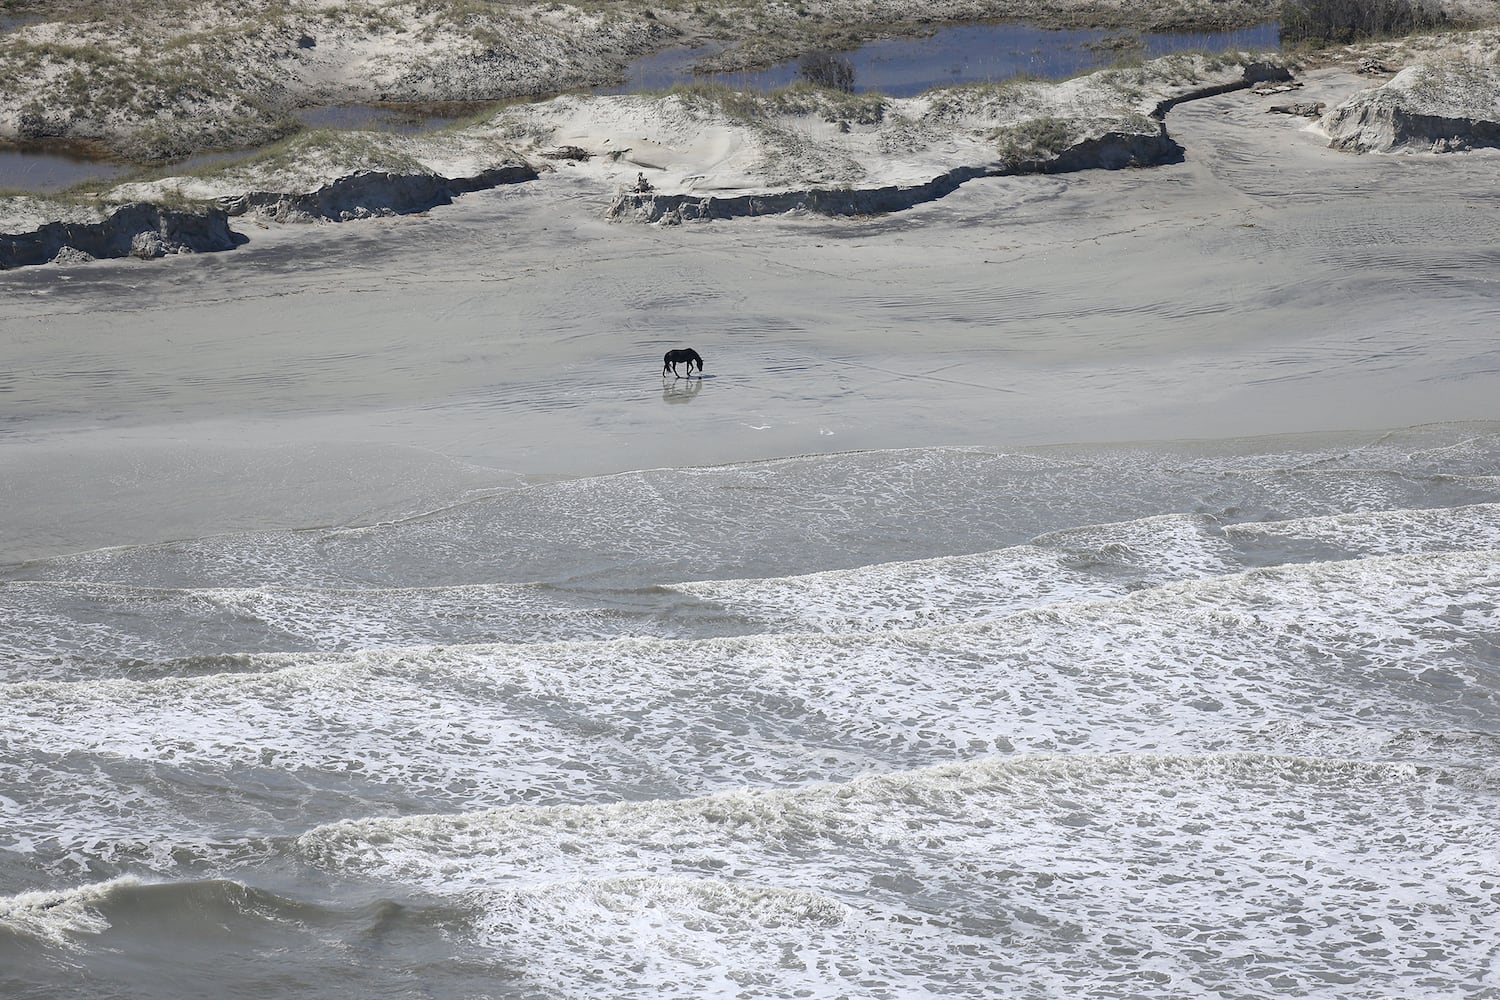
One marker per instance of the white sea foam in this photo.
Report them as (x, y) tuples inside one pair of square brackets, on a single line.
[(1088, 875), (1341, 648), (799, 515), (1079, 564), (669, 936), (1382, 533), (58, 917), (66, 629), (1151, 855)]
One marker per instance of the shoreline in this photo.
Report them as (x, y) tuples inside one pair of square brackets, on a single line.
[(325, 372)]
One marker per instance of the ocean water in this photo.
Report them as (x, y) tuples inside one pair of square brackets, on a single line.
[(1172, 720)]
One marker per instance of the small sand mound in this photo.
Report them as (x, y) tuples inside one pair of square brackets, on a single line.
[(1441, 106)]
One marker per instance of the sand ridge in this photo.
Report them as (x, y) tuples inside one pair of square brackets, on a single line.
[(716, 142)]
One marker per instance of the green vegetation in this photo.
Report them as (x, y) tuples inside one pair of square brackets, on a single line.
[(800, 98), (1045, 136), (831, 104), (350, 150), (827, 69), (479, 113), (77, 196), (742, 105), (1175, 70), (1122, 46), (180, 94), (998, 99), (1035, 138)]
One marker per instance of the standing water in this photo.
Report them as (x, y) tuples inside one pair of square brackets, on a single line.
[(979, 53)]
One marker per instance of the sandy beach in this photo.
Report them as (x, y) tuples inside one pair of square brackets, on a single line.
[(1064, 581), (1265, 285)]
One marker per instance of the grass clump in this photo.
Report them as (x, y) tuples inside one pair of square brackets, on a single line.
[(832, 104), (823, 68), (800, 98), (742, 105), (995, 99), (1034, 138), (349, 150), (1457, 86)]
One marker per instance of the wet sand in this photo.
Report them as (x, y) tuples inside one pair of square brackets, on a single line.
[(1266, 285)]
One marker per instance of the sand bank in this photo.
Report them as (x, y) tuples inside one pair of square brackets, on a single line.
[(1266, 284)]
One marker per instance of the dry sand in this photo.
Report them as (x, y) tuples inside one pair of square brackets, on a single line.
[(324, 374)]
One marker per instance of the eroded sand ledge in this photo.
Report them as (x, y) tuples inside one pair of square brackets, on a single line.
[(133, 230)]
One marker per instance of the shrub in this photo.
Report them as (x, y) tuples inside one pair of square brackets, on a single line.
[(1339, 22), (827, 69)]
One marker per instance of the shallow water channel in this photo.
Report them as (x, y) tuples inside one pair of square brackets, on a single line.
[(973, 53), (900, 67)]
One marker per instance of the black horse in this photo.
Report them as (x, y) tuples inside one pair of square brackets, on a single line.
[(686, 356)]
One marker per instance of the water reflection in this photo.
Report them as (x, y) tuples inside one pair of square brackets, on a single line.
[(53, 166), (681, 390), (403, 118), (977, 53)]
